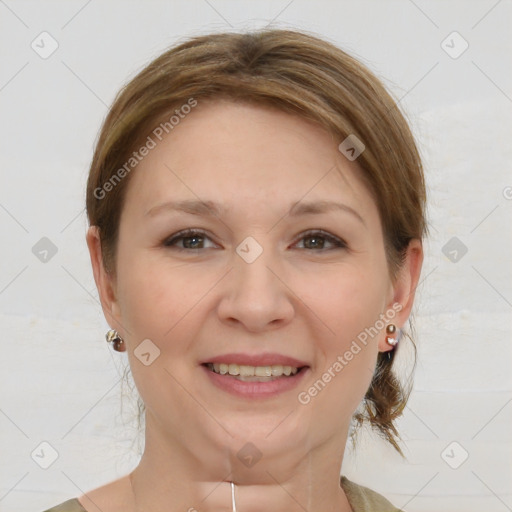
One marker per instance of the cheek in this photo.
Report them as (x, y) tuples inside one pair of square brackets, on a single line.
[(346, 299), (349, 302), (156, 295), (158, 302)]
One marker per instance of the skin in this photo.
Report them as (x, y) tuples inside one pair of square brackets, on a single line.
[(298, 298)]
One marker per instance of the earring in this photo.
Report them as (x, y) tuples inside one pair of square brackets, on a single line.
[(113, 337), (390, 339)]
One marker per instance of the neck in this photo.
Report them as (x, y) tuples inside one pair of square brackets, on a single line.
[(170, 477)]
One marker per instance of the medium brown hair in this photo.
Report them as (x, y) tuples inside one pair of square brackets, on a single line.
[(302, 75)]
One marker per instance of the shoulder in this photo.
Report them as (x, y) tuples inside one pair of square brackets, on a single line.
[(363, 499), (72, 505), (114, 497)]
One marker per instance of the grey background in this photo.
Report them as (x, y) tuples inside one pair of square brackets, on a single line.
[(60, 383)]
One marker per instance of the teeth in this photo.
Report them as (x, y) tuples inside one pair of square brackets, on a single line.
[(252, 371)]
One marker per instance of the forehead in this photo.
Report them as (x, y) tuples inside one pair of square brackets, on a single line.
[(244, 155)]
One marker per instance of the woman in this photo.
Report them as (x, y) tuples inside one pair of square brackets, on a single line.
[(256, 210)]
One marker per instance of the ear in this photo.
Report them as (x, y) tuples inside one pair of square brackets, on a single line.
[(404, 289), (105, 282)]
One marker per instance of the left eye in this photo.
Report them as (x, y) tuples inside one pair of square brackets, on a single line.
[(317, 240)]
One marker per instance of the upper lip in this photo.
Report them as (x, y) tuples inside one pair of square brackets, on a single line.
[(265, 359)]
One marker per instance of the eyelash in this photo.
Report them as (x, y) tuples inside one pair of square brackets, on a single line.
[(190, 233)]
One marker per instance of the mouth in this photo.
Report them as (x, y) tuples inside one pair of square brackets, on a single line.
[(246, 373), (254, 382)]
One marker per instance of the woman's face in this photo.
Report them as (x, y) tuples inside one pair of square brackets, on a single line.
[(290, 264)]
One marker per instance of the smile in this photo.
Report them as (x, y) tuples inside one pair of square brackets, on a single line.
[(252, 373), (254, 382)]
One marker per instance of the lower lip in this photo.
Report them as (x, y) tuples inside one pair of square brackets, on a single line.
[(255, 389)]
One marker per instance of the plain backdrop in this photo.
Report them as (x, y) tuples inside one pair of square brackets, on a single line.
[(60, 383)]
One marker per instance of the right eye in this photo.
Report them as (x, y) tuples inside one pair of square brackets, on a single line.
[(191, 239)]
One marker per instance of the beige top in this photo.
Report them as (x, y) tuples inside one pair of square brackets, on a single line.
[(361, 499)]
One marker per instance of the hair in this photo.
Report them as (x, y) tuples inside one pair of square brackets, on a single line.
[(293, 72)]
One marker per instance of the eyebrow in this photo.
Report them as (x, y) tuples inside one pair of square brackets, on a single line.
[(213, 209)]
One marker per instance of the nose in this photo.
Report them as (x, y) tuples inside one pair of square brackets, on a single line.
[(255, 294)]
